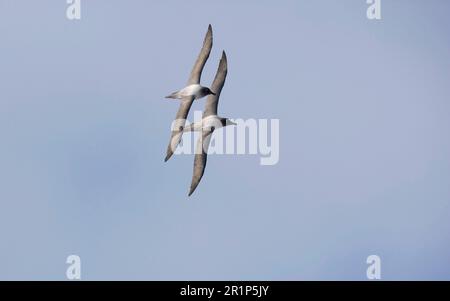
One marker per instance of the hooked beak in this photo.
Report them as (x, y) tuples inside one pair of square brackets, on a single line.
[(232, 122), (213, 93)]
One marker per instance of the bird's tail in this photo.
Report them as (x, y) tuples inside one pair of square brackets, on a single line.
[(174, 95)]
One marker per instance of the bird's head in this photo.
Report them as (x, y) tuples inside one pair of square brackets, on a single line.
[(207, 91), (226, 122)]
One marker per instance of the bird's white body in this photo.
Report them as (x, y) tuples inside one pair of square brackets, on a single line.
[(207, 123), (191, 90), (195, 90)]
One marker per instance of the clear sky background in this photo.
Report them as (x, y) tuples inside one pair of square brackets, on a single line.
[(364, 166)]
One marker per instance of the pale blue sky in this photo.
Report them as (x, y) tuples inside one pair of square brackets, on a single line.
[(364, 142)]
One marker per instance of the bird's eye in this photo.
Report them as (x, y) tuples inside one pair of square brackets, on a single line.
[(181, 128), (212, 129)]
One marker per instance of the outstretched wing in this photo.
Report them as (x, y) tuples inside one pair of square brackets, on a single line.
[(201, 155), (219, 81), (178, 125), (196, 72)]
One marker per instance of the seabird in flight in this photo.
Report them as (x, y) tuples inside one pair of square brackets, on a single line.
[(192, 91), (210, 122)]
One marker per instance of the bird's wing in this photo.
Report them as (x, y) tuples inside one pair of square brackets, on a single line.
[(217, 85), (178, 125), (196, 72), (201, 155)]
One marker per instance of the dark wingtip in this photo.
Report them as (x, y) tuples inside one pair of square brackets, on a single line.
[(167, 157), (208, 36), (209, 33), (224, 55), (194, 186), (223, 64)]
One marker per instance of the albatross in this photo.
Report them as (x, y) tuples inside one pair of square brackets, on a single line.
[(187, 95), (209, 123)]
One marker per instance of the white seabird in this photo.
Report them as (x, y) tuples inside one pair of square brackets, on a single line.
[(192, 91), (209, 123)]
